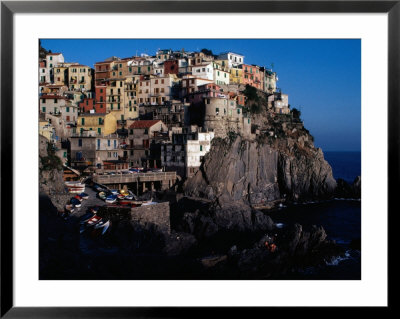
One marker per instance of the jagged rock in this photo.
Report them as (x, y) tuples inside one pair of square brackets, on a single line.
[(178, 243), (255, 172), (346, 190)]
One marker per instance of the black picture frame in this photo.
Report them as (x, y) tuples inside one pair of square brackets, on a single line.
[(9, 8)]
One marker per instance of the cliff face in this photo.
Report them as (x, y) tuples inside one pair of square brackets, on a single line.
[(51, 180), (280, 163)]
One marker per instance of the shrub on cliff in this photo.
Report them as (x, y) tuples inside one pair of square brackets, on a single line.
[(51, 161)]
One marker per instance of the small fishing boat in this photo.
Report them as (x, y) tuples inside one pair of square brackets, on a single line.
[(149, 203), (84, 196), (111, 199), (114, 191), (78, 198), (75, 202), (120, 196), (102, 195), (75, 187), (94, 209), (94, 220)]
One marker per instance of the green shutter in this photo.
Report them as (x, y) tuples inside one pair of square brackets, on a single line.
[(99, 130), (83, 121)]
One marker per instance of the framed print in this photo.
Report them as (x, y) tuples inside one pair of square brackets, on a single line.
[(196, 155)]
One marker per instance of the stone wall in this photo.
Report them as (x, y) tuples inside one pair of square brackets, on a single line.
[(157, 214), (146, 216)]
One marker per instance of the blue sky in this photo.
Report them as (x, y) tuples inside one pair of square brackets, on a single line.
[(322, 77)]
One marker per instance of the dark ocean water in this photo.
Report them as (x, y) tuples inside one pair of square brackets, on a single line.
[(341, 220), (345, 165)]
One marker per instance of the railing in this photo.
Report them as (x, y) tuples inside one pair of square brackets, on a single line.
[(133, 177)]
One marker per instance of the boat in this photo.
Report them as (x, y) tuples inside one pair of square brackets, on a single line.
[(143, 202), (149, 203), (114, 191), (86, 218), (102, 195), (75, 202), (75, 187), (84, 195), (78, 198), (94, 209), (111, 199), (120, 196), (94, 220)]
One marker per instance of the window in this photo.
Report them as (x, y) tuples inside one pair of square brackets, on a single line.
[(99, 130), (67, 109), (43, 100), (44, 109), (119, 106), (148, 68), (101, 90), (80, 142), (120, 73), (201, 148), (112, 106), (156, 82), (162, 81), (108, 143), (51, 58), (120, 65), (146, 131), (100, 121), (55, 101), (238, 111), (98, 143), (115, 141), (217, 110), (101, 99), (139, 70), (83, 121)]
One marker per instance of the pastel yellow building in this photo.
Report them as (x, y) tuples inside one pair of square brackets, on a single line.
[(80, 77), (101, 124), (46, 130), (61, 75), (121, 98), (236, 76)]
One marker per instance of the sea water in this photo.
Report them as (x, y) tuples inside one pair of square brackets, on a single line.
[(341, 220)]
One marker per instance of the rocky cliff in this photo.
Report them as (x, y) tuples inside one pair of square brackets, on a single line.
[(280, 162), (51, 181)]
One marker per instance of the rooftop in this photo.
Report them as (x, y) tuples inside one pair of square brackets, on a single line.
[(143, 124)]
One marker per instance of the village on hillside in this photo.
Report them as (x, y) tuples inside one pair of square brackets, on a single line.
[(147, 113)]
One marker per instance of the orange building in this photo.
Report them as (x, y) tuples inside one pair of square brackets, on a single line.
[(252, 76)]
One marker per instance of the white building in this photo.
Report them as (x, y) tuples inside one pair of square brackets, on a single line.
[(234, 59), (186, 152), (221, 77), (59, 106), (203, 71), (53, 59)]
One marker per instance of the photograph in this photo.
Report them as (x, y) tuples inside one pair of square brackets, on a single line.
[(199, 159)]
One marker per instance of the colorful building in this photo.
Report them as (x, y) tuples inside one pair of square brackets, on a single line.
[(100, 124)]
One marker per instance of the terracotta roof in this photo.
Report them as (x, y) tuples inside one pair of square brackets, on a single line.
[(53, 53), (144, 123)]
